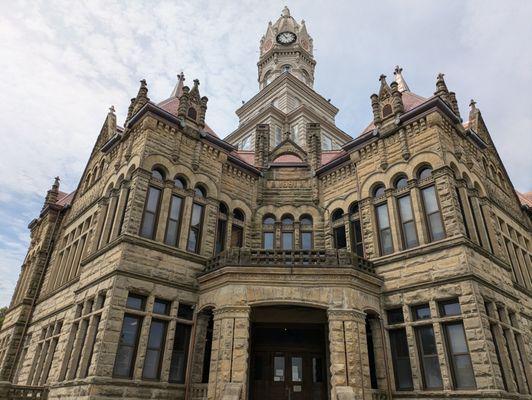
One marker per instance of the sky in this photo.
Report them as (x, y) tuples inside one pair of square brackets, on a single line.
[(63, 63)]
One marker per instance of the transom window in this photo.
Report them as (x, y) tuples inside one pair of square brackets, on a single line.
[(424, 172), (378, 191), (199, 191), (401, 182), (158, 174), (180, 183)]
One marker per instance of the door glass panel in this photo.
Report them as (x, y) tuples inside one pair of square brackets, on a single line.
[(317, 370), (297, 369), (278, 369)]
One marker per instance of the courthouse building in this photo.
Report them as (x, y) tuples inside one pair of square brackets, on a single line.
[(289, 260)]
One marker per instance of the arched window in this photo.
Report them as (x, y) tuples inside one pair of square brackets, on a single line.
[(195, 230), (158, 174), (268, 232), (406, 215), (199, 191), (401, 182), (173, 224), (357, 243), (386, 110), (431, 208), (192, 113), (424, 172), (378, 190), (287, 232), (151, 211), (221, 230), (180, 183), (306, 232), (339, 236), (237, 228)]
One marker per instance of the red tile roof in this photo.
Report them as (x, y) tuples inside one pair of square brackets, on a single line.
[(410, 101), (64, 199), (171, 105), (525, 198)]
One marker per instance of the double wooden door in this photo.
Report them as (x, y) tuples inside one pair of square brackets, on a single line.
[(288, 375)]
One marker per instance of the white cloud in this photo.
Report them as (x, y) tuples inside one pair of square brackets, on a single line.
[(63, 63)]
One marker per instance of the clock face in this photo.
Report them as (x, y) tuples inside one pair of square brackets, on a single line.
[(286, 38)]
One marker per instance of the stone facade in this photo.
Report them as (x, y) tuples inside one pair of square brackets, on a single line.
[(397, 243)]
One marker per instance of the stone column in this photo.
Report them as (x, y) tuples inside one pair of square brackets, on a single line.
[(164, 208), (109, 219), (349, 365), (120, 210), (417, 206), (230, 352), (102, 215), (483, 233), (468, 214)]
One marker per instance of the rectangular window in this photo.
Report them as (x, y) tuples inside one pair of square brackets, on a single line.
[(408, 226), (432, 213), (178, 364), (306, 240), (161, 307), (237, 236), (194, 235), (449, 308), (462, 370), (461, 204), (385, 232), (358, 244), (221, 231), (340, 241), (401, 359), (421, 312), (287, 240), (174, 217), (151, 211), (268, 240), (136, 302), (127, 346), (429, 357), (155, 349), (395, 316), (185, 311)]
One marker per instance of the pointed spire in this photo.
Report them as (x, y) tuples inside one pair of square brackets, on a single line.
[(110, 124), (473, 110), (142, 96), (385, 90), (397, 99), (178, 89), (454, 104), (441, 87), (52, 195), (402, 85)]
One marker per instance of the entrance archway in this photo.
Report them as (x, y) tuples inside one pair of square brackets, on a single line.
[(289, 353)]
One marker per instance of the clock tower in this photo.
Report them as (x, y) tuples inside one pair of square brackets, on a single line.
[(286, 47)]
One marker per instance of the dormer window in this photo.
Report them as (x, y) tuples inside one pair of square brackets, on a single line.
[(386, 110), (192, 113)]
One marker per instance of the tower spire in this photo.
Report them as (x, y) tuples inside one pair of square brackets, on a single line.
[(178, 89), (401, 83)]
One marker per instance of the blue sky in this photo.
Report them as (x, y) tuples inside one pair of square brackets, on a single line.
[(64, 63)]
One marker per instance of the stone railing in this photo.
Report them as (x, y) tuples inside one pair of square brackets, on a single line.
[(198, 391), (288, 258), (27, 392)]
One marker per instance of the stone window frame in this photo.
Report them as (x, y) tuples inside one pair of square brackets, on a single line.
[(399, 193), (508, 340), (44, 353), (202, 201), (176, 193), (288, 229), (239, 223), (157, 185), (518, 256), (269, 228), (85, 329), (437, 321), (426, 183), (221, 228), (306, 228), (70, 255), (355, 216), (146, 315), (338, 223), (379, 200)]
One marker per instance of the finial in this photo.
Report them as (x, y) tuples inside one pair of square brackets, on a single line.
[(56, 182), (382, 78), (286, 12), (112, 109), (473, 104), (441, 88), (143, 82), (398, 73), (196, 82), (181, 77), (178, 89)]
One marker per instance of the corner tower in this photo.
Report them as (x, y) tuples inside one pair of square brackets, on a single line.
[(286, 47)]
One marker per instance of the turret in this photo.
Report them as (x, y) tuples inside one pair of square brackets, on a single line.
[(52, 195)]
